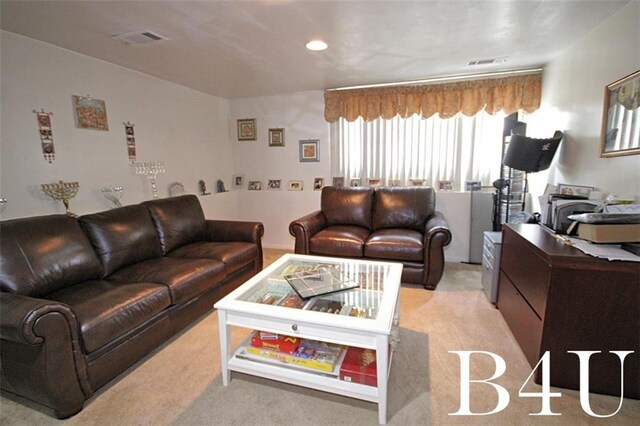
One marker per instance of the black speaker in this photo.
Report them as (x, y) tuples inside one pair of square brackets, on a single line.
[(531, 155)]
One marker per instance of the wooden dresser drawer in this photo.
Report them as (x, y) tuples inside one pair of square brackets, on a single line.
[(522, 320)]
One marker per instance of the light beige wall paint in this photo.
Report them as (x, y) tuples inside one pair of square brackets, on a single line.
[(186, 129)]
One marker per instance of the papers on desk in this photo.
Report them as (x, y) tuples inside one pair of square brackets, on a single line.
[(604, 251)]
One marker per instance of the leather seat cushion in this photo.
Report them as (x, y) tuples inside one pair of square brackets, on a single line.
[(108, 310), (178, 220), (234, 255), (403, 207), (339, 240), (347, 206), (186, 278), (395, 244)]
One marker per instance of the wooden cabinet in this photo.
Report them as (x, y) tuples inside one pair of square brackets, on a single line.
[(555, 298)]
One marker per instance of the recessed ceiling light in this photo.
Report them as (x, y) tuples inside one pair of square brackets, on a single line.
[(316, 45)]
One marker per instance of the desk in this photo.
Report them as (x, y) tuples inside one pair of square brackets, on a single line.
[(556, 298)]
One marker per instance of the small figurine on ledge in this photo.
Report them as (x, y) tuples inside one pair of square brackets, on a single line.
[(220, 187), (203, 188)]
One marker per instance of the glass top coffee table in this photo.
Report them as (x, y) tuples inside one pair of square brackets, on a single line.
[(315, 341)]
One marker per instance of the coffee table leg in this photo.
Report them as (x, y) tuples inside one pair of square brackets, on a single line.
[(224, 346), (382, 359)]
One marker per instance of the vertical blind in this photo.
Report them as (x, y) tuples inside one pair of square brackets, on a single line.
[(456, 149)]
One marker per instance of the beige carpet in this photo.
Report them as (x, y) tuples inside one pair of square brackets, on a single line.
[(180, 382)]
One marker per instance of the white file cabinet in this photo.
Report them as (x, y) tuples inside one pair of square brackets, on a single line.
[(491, 264)]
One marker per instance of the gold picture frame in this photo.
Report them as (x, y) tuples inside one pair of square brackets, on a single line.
[(247, 129), (276, 137), (621, 110), (90, 113)]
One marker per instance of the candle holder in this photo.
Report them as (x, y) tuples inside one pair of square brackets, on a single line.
[(62, 191), (113, 194), (150, 170)]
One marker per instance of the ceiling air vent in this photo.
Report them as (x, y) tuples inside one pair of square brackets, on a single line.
[(490, 61), (139, 37)]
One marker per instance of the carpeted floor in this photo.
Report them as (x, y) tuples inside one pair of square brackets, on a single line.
[(180, 382)]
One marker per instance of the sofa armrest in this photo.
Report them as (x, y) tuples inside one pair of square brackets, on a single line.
[(436, 236), (232, 230), (41, 357), (306, 227)]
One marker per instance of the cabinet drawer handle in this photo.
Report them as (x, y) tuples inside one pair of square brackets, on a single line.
[(294, 327)]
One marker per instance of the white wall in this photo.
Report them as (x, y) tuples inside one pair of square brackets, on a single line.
[(572, 101), (186, 129)]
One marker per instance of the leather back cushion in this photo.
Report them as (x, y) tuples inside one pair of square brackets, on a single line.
[(39, 255), (122, 236), (347, 206), (405, 207), (178, 220)]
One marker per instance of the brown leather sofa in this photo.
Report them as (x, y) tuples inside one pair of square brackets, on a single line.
[(83, 299), (391, 224)]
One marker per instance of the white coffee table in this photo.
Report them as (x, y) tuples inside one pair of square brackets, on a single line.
[(376, 301)]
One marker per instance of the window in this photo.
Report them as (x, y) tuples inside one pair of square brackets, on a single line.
[(456, 149)]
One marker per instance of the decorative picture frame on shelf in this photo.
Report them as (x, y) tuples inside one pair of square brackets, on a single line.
[(417, 182), (338, 181), (395, 182), (621, 103), (355, 182), (247, 129), (445, 185), (274, 184), (579, 190), (255, 185), (309, 150), (90, 113), (238, 181), (318, 184), (374, 182), (276, 137), (295, 185)]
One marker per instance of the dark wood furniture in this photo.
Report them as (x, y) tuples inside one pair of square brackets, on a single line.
[(556, 298)]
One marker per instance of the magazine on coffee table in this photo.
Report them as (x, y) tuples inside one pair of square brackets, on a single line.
[(319, 281)]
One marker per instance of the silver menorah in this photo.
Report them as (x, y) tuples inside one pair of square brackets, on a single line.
[(113, 194), (62, 191), (150, 170)]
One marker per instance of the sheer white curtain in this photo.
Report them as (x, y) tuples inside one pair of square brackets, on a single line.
[(457, 149)]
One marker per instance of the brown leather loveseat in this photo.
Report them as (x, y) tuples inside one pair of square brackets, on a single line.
[(83, 299), (391, 224)]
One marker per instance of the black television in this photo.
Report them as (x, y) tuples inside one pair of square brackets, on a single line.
[(529, 154)]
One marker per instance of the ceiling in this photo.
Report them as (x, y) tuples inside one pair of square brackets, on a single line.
[(236, 49)]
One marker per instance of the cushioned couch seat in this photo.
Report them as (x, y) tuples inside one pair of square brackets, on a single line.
[(234, 255)]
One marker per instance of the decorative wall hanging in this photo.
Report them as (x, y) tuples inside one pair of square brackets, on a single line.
[(62, 191), (247, 129), (90, 113), (46, 136), (131, 141), (276, 137), (113, 194), (151, 171), (620, 117), (309, 150)]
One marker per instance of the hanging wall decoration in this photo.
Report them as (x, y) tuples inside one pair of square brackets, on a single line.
[(131, 141), (90, 113), (46, 136)]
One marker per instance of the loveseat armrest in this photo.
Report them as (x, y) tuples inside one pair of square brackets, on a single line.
[(436, 236), (306, 227), (41, 357)]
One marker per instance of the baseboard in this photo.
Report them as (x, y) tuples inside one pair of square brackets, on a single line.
[(278, 247)]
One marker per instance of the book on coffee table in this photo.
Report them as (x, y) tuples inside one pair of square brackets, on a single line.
[(323, 280)]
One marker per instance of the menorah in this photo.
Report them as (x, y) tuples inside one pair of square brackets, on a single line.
[(150, 170), (62, 191), (113, 194)]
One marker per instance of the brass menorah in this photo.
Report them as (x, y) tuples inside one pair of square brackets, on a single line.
[(62, 191)]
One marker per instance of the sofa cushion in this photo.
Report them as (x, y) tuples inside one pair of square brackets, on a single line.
[(178, 220), (122, 236), (234, 255), (408, 207), (347, 206), (39, 255), (186, 278), (395, 244), (108, 310), (345, 241)]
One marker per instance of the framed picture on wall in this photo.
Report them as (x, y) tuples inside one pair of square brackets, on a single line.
[(238, 181), (318, 183), (255, 185), (90, 113), (309, 150), (338, 181), (295, 185), (445, 185), (276, 137), (247, 129), (274, 184)]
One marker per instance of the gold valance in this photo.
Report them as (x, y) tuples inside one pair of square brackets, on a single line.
[(509, 94)]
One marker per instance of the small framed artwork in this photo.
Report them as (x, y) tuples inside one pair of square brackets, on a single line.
[(295, 185), (238, 181), (274, 185), (309, 150), (445, 185), (472, 185), (417, 182), (338, 181), (578, 190), (247, 129), (621, 103), (276, 137), (90, 113), (318, 183), (374, 182), (395, 182), (255, 185), (354, 183)]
